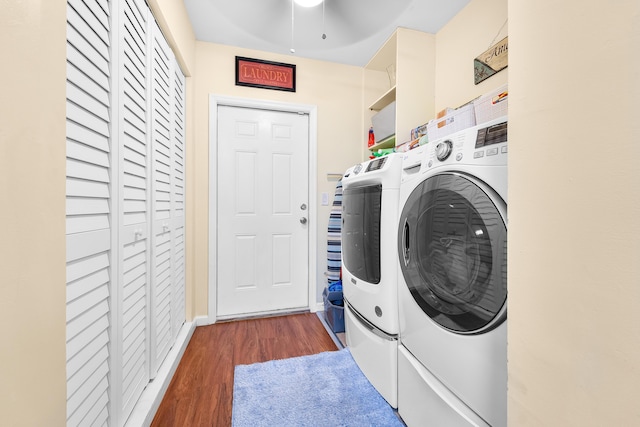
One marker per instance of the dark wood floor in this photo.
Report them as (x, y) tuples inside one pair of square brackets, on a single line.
[(201, 391)]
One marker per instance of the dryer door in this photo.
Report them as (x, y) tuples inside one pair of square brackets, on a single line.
[(452, 244), (361, 214)]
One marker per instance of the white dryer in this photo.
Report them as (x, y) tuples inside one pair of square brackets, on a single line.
[(370, 193), (452, 281)]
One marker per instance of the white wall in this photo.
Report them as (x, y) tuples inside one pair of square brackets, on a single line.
[(574, 205), (32, 190), (174, 21), (471, 32)]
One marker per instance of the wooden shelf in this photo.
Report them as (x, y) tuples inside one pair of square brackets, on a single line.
[(386, 99), (389, 142), (412, 55)]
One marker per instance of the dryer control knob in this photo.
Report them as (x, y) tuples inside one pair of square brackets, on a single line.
[(443, 150)]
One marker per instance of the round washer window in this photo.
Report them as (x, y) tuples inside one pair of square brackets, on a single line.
[(453, 252)]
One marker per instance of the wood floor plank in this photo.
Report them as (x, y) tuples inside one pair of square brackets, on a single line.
[(201, 391)]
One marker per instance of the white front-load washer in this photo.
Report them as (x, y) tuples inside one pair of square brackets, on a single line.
[(369, 269), (452, 281)]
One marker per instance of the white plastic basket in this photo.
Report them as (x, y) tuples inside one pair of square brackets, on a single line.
[(492, 105), (458, 119)]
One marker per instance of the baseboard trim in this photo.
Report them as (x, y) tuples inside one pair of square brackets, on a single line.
[(149, 402), (204, 321)]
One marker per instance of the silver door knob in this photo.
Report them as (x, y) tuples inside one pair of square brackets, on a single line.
[(303, 220), (303, 207)]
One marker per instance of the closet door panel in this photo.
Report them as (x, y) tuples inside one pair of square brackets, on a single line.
[(161, 111), (88, 212), (177, 200), (134, 202)]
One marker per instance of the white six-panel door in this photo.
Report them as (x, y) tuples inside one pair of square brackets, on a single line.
[(263, 228)]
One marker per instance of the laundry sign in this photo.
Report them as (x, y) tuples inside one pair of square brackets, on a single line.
[(491, 61), (265, 74)]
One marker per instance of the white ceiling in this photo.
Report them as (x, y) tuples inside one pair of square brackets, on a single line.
[(355, 29)]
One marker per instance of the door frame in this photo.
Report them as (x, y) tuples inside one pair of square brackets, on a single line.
[(312, 111)]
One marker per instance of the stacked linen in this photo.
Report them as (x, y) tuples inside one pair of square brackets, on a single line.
[(334, 241)]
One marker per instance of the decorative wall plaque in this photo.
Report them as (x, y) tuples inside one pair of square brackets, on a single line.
[(491, 61)]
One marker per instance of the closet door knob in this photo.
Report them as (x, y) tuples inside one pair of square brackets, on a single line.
[(303, 220)]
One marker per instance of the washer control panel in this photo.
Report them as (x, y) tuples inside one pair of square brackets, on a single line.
[(484, 144)]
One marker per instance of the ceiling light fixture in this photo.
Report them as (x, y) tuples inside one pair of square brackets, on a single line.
[(308, 3)]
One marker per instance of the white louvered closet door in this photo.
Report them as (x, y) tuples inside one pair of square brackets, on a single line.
[(161, 230), (133, 192), (88, 211), (178, 201), (125, 206)]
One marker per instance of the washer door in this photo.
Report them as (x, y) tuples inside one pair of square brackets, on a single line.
[(452, 244)]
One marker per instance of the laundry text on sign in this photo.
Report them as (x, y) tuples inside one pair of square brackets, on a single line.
[(265, 74)]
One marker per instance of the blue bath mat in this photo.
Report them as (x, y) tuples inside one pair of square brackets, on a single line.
[(326, 389)]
